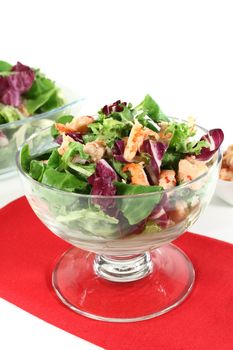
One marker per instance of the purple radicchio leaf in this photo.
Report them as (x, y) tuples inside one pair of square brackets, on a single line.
[(15, 84), (117, 106), (160, 216), (59, 139), (75, 135), (118, 151), (215, 138), (11, 97), (156, 151), (102, 184), (3, 85), (159, 213), (22, 79)]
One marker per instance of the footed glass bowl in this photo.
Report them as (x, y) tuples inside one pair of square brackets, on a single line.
[(122, 266)]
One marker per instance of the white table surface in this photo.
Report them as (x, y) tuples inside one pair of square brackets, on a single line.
[(178, 51)]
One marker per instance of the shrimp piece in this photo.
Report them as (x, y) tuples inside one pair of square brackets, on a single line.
[(138, 175), (62, 128), (180, 212), (95, 149), (167, 179), (76, 125), (148, 132), (134, 142), (136, 138), (189, 169), (65, 143)]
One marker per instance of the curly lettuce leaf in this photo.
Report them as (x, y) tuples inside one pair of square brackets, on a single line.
[(180, 141), (73, 149), (109, 130)]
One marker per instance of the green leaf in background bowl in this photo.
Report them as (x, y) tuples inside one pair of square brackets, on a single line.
[(5, 67)]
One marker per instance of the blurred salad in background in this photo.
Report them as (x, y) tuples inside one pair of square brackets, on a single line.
[(25, 91)]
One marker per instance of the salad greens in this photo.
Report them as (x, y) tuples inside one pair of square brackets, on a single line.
[(125, 151), (25, 91), (9, 114)]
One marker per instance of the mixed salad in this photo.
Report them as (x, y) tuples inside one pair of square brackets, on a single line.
[(124, 150), (25, 91)]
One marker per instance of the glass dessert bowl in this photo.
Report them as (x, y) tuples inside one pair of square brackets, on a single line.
[(14, 134), (122, 266)]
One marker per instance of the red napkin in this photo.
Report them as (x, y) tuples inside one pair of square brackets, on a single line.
[(203, 321)]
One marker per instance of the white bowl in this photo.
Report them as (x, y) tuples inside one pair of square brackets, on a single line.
[(224, 190)]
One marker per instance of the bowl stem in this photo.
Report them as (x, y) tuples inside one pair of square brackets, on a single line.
[(123, 269)]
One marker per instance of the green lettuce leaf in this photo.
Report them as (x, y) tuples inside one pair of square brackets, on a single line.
[(33, 105), (92, 220), (9, 114), (37, 169), (5, 67), (147, 122), (152, 109), (83, 170), (137, 209), (63, 181), (25, 158), (54, 160), (43, 96), (118, 168)]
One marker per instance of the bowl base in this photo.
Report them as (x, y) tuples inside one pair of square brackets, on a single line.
[(79, 287)]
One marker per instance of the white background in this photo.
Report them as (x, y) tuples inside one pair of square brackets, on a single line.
[(178, 51)]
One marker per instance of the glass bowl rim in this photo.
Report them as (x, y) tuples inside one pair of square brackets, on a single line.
[(141, 195), (39, 116)]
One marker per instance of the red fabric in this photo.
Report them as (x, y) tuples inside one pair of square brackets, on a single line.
[(204, 321)]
